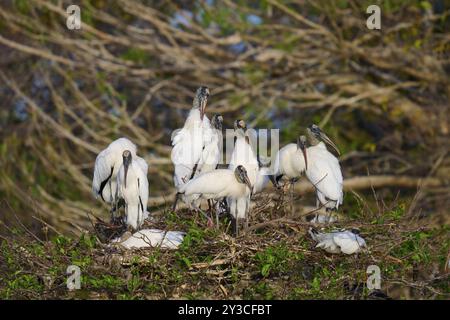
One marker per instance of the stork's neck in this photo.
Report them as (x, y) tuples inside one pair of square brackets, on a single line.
[(196, 103), (312, 140), (194, 114), (321, 145), (193, 119)]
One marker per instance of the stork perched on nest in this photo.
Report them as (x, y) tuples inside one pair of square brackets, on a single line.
[(323, 171), (106, 171), (189, 142)]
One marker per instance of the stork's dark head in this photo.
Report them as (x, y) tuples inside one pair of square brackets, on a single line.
[(241, 176), (240, 124), (200, 99), (126, 156), (317, 134), (301, 144), (216, 122)]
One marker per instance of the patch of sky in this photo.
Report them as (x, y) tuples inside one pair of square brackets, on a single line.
[(114, 111), (238, 48), (181, 18), (254, 19), (37, 84), (20, 110)]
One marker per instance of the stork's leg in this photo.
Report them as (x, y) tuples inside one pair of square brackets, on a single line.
[(247, 213), (210, 211), (328, 215), (236, 221), (126, 213), (317, 210), (112, 201), (115, 210), (246, 221), (291, 196), (330, 212), (217, 214), (197, 209), (174, 206)]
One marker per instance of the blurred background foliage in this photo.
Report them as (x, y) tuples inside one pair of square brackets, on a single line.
[(382, 95)]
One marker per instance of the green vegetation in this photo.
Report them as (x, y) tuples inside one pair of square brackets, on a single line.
[(131, 71), (276, 263)]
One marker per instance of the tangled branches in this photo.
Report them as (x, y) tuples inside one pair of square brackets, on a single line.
[(131, 70)]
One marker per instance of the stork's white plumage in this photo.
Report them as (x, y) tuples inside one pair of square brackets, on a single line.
[(262, 179), (148, 238), (107, 166), (289, 163), (324, 171), (132, 187), (218, 184), (340, 241), (211, 154), (244, 155), (188, 142), (325, 174)]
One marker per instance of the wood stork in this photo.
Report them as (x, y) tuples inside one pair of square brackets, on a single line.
[(106, 168), (262, 179), (212, 151), (147, 238), (323, 171), (211, 154), (188, 143), (218, 184), (244, 155), (132, 187), (290, 163), (347, 242)]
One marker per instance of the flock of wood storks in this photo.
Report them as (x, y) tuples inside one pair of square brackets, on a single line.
[(120, 175)]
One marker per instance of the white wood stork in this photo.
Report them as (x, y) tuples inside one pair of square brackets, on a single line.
[(132, 187), (291, 164), (218, 184), (211, 154), (347, 242), (323, 171), (262, 179), (188, 142), (212, 151), (244, 155), (106, 168), (148, 238)]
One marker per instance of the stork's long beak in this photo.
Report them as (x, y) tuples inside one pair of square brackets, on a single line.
[(306, 158), (203, 107), (302, 146), (125, 165), (328, 141), (247, 181)]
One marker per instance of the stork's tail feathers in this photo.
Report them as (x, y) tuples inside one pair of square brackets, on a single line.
[(274, 181), (313, 233)]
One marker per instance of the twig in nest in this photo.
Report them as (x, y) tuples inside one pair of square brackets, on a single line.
[(106, 231)]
